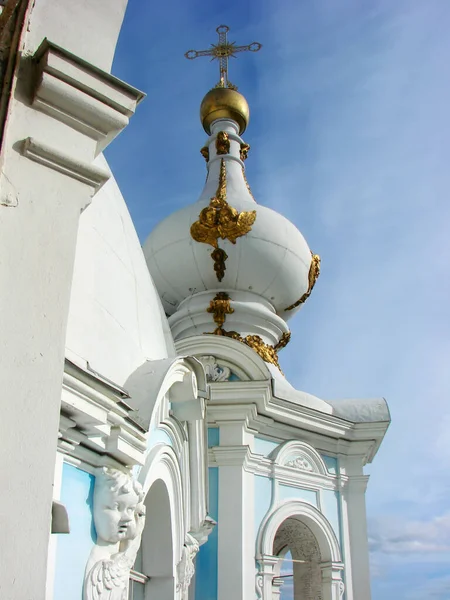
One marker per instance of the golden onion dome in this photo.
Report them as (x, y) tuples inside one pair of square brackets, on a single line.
[(224, 103)]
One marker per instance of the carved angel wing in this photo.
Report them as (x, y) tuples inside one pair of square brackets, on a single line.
[(236, 228), (108, 579)]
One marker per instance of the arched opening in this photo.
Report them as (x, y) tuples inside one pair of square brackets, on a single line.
[(153, 572), (300, 575), (299, 528)]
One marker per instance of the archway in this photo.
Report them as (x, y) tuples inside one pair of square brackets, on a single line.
[(291, 526), (154, 573), (299, 551)]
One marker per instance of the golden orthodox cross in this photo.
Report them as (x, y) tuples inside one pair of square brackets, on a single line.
[(221, 52)]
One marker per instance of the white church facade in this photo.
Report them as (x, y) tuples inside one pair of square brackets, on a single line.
[(151, 445)]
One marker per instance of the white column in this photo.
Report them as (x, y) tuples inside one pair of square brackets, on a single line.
[(236, 536), (356, 546)]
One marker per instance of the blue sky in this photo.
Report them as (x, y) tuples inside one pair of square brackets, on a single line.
[(350, 136)]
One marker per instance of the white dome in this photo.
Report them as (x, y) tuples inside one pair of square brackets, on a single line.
[(271, 260), (116, 320)]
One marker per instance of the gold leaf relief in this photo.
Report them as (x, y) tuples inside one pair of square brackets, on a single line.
[(220, 220), (247, 184), (314, 272), (244, 150), (267, 352), (205, 153), (220, 307), (222, 143)]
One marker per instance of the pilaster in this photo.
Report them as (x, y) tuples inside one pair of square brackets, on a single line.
[(332, 585), (354, 521), (236, 534)]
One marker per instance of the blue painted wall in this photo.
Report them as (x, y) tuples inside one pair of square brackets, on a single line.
[(288, 492), (213, 436), (331, 464), (158, 436), (73, 549), (264, 447), (206, 563), (331, 510), (263, 497)]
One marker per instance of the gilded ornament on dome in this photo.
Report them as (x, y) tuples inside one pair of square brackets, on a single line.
[(314, 272), (247, 183), (222, 143), (220, 220), (267, 352), (220, 307), (205, 153), (219, 257), (244, 150)]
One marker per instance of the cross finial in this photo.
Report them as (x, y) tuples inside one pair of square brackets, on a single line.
[(221, 52)]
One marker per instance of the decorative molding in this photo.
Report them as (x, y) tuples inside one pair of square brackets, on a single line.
[(214, 371), (119, 519), (203, 532), (314, 272), (95, 421), (186, 567), (81, 95), (63, 163), (274, 416), (299, 455), (222, 143), (220, 220), (301, 463)]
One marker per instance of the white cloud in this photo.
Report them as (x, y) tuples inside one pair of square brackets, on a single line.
[(394, 535)]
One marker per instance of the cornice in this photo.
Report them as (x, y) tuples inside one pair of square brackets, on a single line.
[(241, 456), (95, 424), (59, 161), (81, 95), (252, 403)]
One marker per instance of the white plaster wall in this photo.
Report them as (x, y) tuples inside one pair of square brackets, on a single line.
[(78, 26), (37, 249), (115, 319)]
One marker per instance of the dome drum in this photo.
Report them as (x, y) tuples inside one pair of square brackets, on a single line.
[(249, 314)]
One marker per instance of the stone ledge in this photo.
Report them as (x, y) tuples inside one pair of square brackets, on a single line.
[(81, 95)]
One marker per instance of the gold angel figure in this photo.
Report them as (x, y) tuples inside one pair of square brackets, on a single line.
[(220, 220)]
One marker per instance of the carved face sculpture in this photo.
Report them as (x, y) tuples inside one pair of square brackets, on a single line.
[(137, 526), (116, 499)]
